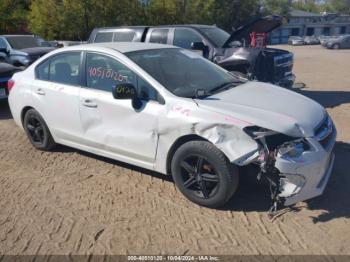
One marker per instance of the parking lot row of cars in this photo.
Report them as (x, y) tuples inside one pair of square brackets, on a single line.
[(330, 42)]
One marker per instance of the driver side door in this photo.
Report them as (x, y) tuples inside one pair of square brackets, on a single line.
[(113, 127)]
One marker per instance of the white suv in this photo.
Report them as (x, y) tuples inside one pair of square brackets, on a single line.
[(170, 110)]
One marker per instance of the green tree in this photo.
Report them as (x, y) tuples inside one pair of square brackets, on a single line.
[(230, 14), (279, 7), (74, 19), (308, 5), (339, 6), (13, 14)]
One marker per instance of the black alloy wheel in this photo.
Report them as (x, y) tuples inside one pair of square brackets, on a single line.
[(199, 176), (204, 174), (37, 131)]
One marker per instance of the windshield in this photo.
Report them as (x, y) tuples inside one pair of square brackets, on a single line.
[(183, 72), (216, 35), (21, 42)]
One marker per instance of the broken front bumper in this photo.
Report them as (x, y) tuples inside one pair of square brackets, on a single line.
[(306, 177)]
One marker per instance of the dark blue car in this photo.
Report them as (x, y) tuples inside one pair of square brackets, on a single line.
[(6, 72)]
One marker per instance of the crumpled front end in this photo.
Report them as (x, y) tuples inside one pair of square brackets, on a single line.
[(306, 176), (299, 168)]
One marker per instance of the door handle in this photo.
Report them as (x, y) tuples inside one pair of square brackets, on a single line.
[(40, 92), (89, 103)]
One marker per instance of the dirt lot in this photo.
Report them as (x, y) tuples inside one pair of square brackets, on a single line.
[(71, 202)]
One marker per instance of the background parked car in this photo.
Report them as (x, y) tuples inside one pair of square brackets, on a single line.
[(6, 72), (296, 40), (311, 40), (64, 43), (342, 42), (324, 39), (233, 52), (22, 50)]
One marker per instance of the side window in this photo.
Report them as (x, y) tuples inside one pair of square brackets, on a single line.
[(185, 37), (42, 70), (104, 37), (65, 68), (104, 73), (124, 36), (159, 36)]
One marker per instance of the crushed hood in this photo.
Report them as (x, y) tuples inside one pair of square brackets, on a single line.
[(268, 106), (259, 25)]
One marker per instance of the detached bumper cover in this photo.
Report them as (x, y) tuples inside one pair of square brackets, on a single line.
[(315, 166)]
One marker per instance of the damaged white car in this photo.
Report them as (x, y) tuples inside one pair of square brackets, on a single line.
[(170, 110)]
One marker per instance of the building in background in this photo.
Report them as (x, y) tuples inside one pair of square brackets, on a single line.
[(301, 23)]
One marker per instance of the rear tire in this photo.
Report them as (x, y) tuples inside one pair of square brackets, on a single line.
[(204, 174), (37, 131), (336, 46)]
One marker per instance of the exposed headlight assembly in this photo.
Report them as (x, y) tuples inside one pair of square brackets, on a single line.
[(293, 149)]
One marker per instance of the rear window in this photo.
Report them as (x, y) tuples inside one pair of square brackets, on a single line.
[(159, 36), (124, 36), (104, 37)]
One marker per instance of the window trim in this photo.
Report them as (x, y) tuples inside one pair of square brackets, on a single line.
[(52, 57), (160, 100)]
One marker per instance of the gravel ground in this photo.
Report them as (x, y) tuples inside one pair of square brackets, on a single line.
[(71, 202)]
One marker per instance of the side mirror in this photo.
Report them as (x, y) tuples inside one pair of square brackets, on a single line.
[(198, 46), (124, 91), (4, 50)]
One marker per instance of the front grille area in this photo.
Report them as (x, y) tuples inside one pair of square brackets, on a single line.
[(283, 65), (324, 132), (326, 141)]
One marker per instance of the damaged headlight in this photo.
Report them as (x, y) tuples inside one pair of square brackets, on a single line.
[(293, 149), (272, 140)]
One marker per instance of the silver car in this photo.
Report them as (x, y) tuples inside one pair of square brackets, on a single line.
[(170, 110)]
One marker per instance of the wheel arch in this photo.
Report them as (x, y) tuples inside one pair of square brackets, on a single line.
[(24, 111), (176, 145)]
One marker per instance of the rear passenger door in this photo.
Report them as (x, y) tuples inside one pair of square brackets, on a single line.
[(56, 95)]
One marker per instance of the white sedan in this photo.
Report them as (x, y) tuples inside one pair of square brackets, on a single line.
[(170, 110)]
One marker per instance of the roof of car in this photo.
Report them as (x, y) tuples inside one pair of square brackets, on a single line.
[(158, 26), (16, 35), (187, 25), (123, 47)]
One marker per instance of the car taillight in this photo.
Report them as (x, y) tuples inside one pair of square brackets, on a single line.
[(10, 84)]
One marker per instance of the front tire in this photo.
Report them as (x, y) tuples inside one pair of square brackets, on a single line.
[(37, 131), (204, 174), (336, 46)]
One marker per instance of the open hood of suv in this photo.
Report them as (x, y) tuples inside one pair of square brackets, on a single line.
[(259, 25)]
